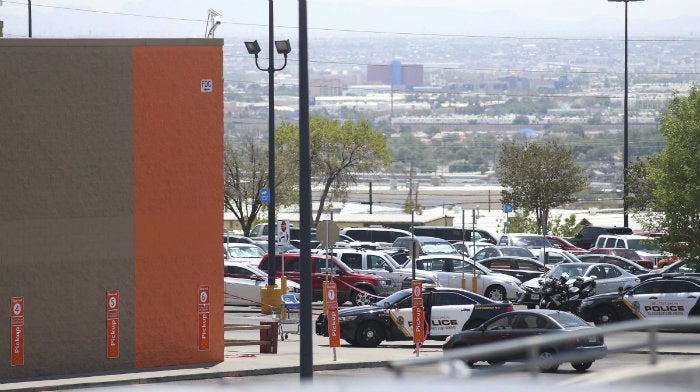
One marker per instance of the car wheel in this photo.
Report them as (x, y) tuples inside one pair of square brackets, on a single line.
[(496, 293), (604, 315), (351, 341), (369, 334), (547, 363), (582, 366), (364, 297)]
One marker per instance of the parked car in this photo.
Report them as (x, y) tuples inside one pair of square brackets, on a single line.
[(523, 323), (470, 248), (447, 310), (228, 239), (563, 243), (685, 266), (627, 265), (243, 282), (587, 236), (523, 268), (533, 242), (551, 257), (427, 245), (453, 234), (383, 236), (494, 251), (247, 253), (450, 270), (359, 288), (608, 278), (629, 254), (381, 264), (662, 297), (260, 232), (646, 247)]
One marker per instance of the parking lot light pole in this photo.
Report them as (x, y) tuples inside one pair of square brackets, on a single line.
[(283, 47), (625, 164), (270, 295)]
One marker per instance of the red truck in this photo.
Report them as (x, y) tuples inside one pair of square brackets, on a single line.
[(360, 289)]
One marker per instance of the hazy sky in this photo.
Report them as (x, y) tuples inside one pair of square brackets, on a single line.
[(242, 18)]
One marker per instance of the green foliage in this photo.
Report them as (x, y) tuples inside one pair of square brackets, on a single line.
[(538, 178), (521, 222), (674, 173), (338, 150), (566, 228)]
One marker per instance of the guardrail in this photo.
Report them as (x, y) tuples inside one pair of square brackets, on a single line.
[(533, 344)]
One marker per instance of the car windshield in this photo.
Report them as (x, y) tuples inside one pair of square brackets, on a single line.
[(394, 298), (256, 270), (567, 319), (530, 241), (645, 244), (521, 252), (391, 261), (573, 269), (437, 247), (684, 266), (248, 251)]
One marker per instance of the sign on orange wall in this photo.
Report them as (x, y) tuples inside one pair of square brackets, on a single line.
[(113, 324), (17, 324), (203, 317), (418, 314), (333, 321)]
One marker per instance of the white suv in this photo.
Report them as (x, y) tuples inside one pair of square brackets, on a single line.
[(381, 264)]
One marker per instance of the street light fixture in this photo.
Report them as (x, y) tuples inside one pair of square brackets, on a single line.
[(625, 164), (283, 47)]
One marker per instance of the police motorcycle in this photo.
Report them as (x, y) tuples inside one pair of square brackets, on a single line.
[(563, 293)]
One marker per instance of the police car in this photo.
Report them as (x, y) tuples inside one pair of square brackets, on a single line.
[(447, 311), (662, 297)]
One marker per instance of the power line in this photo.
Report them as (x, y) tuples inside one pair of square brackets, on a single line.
[(354, 31)]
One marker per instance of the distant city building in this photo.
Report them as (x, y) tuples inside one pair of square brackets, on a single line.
[(396, 74)]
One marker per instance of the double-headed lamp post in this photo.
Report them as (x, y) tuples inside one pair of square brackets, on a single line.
[(625, 163), (283, 48)]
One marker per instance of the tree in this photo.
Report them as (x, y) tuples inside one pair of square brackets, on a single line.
[(245, 173), (538, 178), (338, 151), (674, 173)]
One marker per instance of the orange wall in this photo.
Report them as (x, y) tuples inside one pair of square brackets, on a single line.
[(178, 201)]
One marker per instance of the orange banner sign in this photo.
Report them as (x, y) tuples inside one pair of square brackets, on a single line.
[(418, 320), (17, 323), (113, 324), (203, 317), (333, 321), (418, 314)]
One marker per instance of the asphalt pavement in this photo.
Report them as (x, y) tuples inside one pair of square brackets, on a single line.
[(247, 360)]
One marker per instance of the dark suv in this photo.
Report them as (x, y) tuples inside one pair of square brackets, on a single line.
[(361, 289), (588, 234), (454, 234)]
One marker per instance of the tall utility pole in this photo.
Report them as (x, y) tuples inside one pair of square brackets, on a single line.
[(625, 164), (29, 14)]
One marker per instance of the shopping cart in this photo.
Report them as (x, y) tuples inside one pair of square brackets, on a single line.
[(290, 322)]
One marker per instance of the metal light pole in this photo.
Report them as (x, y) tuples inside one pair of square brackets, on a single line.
[(625, 164), (29, 14), (306, 362), (283, 47)]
